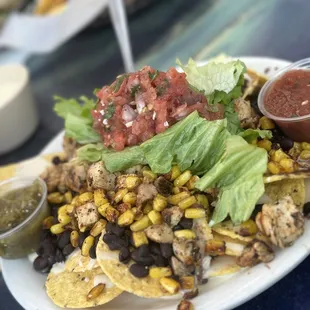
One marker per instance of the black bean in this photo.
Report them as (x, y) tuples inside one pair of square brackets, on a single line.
[(144, 250), (92, 252), (51, 260), (45, 234), (144, 260), (113, 246), (163, 186), (59, 257), (204, 281), (160, 261), (155, 248), (124, 255), (177, 227), (115, 229), (175, 277), (97, 240), (186, 223), (139, 271), (306, 209), (126, 239), (166, 250), (56, 160), (63, 239), (48, 249), (41, 264), (82, 237), (286, 143), (68, 249)]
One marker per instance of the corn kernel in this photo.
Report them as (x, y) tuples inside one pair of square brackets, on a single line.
[(95, 291), (85, 197), (187, 202), (126, 218), (247, 228), (111, 214), (160, 272), (99, 197), (203, 200), (155, 217), (130, 198), (64, 219), (254, 142), (47, 223), (123, 207), (57, 229), (175, 199), (87, 244), (287, 164), (215, 247), (175, 172), (111, 195), (187, 282), (176, 190), (141, 224), (74, 238), (195, 213), (68, 197), (139, 238), (147, 208), (305, 154), (278, 155), (62, 210), (192, 181), (75, 200), (132, 182), (103, 208), (55, 198), (274, 167), (185, 233), (70, 209), (305, 146), (149, 174), (120, 194), (266, 123), (138, 213), (170, 285), (183, 178), (159, 203), (98, 227), (265, 144)]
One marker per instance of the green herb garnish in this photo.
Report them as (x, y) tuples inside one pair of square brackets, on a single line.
[(110, 111), (134, 90), (153, 75), (119, 81)]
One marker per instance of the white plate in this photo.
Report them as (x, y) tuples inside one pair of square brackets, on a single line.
[(27, 286)]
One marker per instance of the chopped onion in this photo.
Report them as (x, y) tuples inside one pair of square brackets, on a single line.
[(128, 113), (140, 103)]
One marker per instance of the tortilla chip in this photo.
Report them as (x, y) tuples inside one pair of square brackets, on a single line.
[(289, 187), (120, 275), (227, 228), (30, 167), (284, 176), (69, 289), (76, 262), (222, 266), (233, 247)]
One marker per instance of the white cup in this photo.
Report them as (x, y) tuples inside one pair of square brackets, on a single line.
[(18, 114)]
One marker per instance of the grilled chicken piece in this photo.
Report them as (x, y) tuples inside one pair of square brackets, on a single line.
[(180, 269), (52, 176), (161, 233), (172, 216), (70, 147), (99, 177), (86, 215), (75, 174), (255, 252), (246, 114), (184, 250), (282, 222), (146, 192)]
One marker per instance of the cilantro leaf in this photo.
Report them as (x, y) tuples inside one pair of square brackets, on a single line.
[(110, 111), (153, 75)]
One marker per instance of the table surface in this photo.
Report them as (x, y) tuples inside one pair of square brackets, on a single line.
[(160, 33)]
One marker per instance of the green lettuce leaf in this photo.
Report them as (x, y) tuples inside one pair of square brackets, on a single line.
[(251, 134), (233, 122), (78, 118), (239, 176), (220, 82)]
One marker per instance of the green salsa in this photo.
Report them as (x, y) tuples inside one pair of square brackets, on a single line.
[(18, 204)]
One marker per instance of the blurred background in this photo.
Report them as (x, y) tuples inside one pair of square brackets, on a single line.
[(87, 56)]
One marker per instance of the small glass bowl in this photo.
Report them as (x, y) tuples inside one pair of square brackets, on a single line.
[(297, 128), (25, 237)]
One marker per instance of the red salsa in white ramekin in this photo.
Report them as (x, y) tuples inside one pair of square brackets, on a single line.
[(285, 98)]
